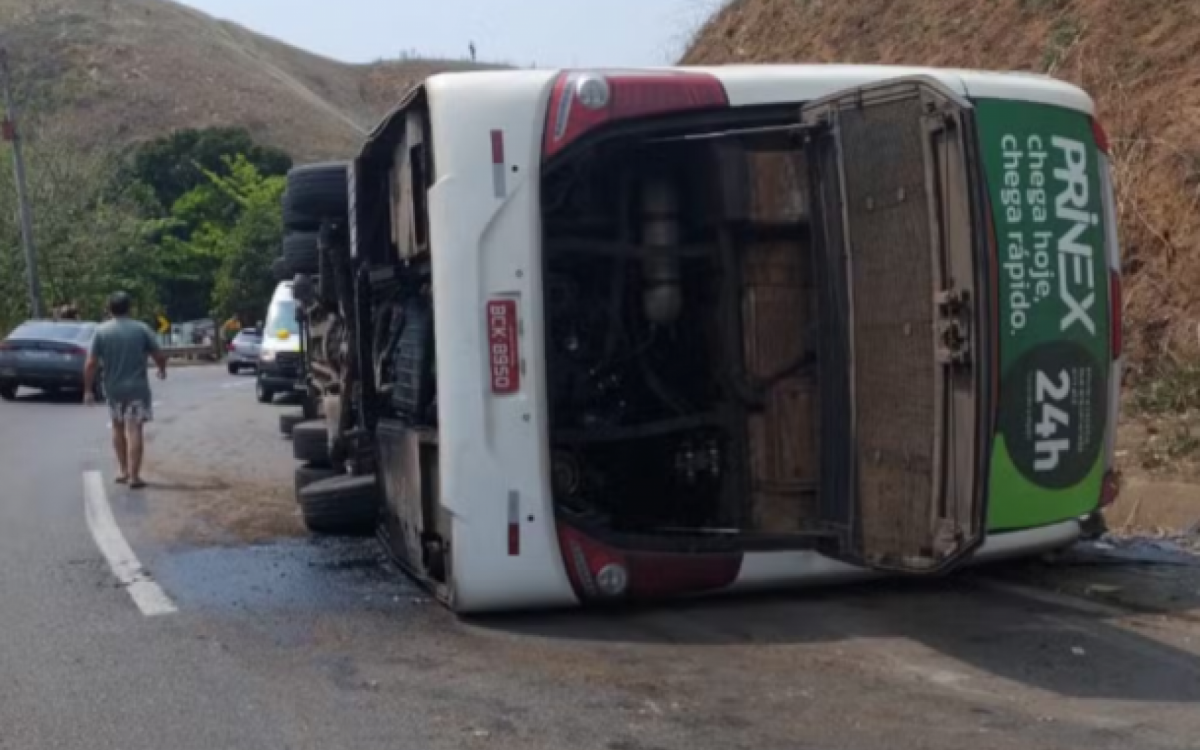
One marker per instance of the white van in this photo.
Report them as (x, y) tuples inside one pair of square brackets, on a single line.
[(280, 361), (623, 335)]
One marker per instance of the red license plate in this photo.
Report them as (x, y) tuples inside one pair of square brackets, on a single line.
[(502, 346)]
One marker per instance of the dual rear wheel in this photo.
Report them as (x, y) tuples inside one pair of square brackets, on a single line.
[(330, 502)]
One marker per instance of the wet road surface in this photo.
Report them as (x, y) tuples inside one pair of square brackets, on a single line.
[(283, 642)]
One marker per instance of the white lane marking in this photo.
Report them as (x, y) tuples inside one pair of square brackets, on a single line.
[(147, 595)]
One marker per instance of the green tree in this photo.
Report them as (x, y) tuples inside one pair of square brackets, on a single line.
[(99, 230), (176, 164), (90, 233), (244, 282), (240, 252), (184, 174)]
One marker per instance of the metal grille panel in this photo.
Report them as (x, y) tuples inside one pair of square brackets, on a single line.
[(892, 285)]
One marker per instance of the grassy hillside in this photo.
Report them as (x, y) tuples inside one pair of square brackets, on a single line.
[(124, 70), (1139, 59)]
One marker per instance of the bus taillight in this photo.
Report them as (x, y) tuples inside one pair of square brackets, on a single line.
[(1101, 136), (1110, 488), (599, 572), (586, 559), (582, 101)]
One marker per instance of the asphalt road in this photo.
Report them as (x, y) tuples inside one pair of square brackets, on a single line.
[(282, 642)]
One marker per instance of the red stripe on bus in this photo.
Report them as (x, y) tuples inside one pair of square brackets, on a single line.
[(514, 540), (497, 147)]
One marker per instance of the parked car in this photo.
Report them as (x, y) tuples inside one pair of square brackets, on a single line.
[(280, 360), (244, 350), (44, 354)]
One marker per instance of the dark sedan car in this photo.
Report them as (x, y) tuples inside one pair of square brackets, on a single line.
[(44, 354)]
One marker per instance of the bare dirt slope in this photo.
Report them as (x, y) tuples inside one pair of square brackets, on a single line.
[(1140, 59), (124, 70)]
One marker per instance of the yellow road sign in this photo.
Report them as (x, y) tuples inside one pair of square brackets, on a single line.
[(164, 325)]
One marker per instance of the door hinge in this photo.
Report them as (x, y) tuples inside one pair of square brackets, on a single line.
[(953, 326), (939, 117)]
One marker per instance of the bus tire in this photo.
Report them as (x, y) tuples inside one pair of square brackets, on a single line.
[(262, 392), (342, 505), (310, 443), (300, 252), (311, 408), (326, 281), (280, 270), (307, 474), (316, 192), (288, 422)]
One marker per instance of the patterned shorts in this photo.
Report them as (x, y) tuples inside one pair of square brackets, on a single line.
[(135, 411)]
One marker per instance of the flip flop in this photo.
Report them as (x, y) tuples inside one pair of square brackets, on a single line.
[(137, 484), (122, 480)]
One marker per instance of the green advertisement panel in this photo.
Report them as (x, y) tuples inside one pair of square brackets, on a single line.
[(1043, 176)]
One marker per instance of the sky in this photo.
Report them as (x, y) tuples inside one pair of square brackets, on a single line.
[(548, 33)]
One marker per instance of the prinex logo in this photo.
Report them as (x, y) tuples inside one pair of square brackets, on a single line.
[(1076, 266)]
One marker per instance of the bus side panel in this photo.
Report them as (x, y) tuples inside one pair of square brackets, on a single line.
[(485, 231), (1044, 179)]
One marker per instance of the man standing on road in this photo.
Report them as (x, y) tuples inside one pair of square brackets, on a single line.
[(121, 347)]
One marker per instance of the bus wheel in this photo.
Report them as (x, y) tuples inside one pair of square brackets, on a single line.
[(281, 270), (311, 408), (300, 252), (315, 192), (306, 475), (310, 443), (342, 505), (288, 422), (261, 392)]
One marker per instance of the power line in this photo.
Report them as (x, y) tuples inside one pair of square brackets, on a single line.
[(12, 134)]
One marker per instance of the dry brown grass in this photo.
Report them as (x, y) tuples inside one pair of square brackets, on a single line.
[(1139, 58), (126, 70)]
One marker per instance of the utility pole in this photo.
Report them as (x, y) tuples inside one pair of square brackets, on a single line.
[(12, 134)]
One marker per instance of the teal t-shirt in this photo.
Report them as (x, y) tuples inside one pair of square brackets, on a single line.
[(122, 346)]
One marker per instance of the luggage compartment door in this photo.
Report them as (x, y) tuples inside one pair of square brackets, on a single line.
[(903, 257)]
